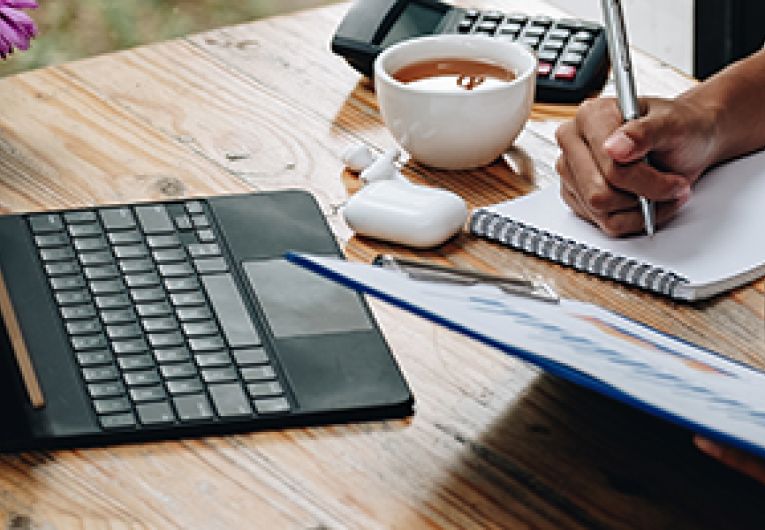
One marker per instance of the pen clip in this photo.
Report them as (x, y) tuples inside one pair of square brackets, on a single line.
[(513, 285)]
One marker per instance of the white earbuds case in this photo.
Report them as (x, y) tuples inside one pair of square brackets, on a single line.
[(406, 213)]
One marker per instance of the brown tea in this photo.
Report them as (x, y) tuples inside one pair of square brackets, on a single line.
[(450, 74)]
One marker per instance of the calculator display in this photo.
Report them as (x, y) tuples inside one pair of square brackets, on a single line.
[(416, 19)]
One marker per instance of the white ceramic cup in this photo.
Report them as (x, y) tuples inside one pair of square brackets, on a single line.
[(457, 129)]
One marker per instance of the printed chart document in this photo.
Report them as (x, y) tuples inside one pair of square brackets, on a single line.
[(585, 344)]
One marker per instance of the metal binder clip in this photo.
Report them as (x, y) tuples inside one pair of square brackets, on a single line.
[(513, 285)]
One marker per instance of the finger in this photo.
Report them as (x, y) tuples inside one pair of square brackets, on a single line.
[(735, 458), (640, 178), (657, 130), (575, 203), (631, 221), (585, 177)]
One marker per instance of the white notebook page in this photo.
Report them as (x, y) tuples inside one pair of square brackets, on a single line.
[(720, 232)]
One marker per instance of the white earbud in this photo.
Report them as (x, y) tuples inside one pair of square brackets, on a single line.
[(384, 168), (358, 157)]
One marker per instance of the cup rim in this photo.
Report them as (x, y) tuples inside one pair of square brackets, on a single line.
[(381, 73)]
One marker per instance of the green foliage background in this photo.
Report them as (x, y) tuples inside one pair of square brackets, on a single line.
[(70, 29)]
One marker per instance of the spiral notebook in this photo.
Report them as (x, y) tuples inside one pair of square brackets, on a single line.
[(714, 244)]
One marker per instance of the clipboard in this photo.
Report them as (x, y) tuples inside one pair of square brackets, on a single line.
[(617, 357)]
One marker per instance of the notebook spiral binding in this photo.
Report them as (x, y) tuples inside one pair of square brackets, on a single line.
[(517, 235)]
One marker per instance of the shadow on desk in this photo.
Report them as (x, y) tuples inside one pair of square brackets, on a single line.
[(567, 457)]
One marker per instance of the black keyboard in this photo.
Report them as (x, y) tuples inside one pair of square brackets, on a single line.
[(156, 322)]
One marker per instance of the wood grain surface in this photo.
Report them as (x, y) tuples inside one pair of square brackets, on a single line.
[(493, 443)]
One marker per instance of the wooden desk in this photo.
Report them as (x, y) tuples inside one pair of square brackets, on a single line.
[(493, 442)]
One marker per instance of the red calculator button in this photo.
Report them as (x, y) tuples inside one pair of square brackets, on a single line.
[(565, 72), (544, 69)]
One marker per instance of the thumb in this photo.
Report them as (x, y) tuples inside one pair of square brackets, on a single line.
[(635, 139)]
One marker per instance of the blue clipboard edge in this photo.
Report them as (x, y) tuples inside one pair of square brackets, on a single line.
[(551, 367)]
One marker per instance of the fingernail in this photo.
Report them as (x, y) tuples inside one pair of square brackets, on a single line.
[(683, 194), (619, 145)]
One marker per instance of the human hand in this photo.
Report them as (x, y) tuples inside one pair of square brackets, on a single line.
[(602, 165), (735, 458)]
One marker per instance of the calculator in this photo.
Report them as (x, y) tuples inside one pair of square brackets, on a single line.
[(572, 53)]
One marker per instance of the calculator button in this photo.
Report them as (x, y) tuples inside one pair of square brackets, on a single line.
[(124, 331), (124, 238), (191, 298), (218, 375), (51, 240), (148, 393), (117, 316), (200, 329), (534, 31), (200, 221), (107, 286), (565, 72), (83, 327), (126, 347), (229, 400), (583, 36), (512, 28), (188, 314), (117, 421), (554, 45), (96, 258), (117, 218), (258, 373), (203, 250), (89, 342), (143, 378), (206, 236), (531, 42), (472, 13), (146, 279), (101, 272), (171, 355), (131, 251), (250, 356), (210, 265), (574, 59), (181, 284), (78, 311), (155, 413), (175, 269), (92, 358), (169, 255), (212, 360), (194, 207), (110, 406), (272, 405), (206, 344), (153, 325), (61, 267), (569, 24), (147, 294), (544, 69), (63, 283), (136, 265), (136, 362), (518, 18), (104, 390), (183, 222), (164, 340), (100, 373), (154, 219), (265, 389), (114, 301), (72, 297), (43, 223), (193, 407), (154, 309), (547, 56), (464, 26), (79, 217), (178, 371), (85, 230), (558, 33), (184, 386), (486, 27), (493, 15), (163, 241), (89, 244), (56, 254), (541, 21), (577, 47)]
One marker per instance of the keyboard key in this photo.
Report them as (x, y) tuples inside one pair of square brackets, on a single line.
[(534, 31), (78, 311), (200, 221), (258, 373), (131, 251), (181, 284), (51, 240), (154, 219), (124, 238), (553, 45), (104, 390), (147, 393), (164, 340), (210, 265), (92, 358), (62, 267), (169, 255), (544, 69), (114, 301), (96, 258), (249, 356), (163, 241), (101, 272), (89, 244), (114, 286), (89, 342), (206, 344), (65, 283), (146, 279), (486, 26), (42, 223), (547, 56), (577, 47), (124, 331), (541, 21), (583, 36), (128, 266), (99, 374), (560, 34), (79, 217), (219, 375), (148, 294), (56, 254), (142, 378), (184, 386), (154, 309), (189, 314), (117, 421), (117, 218), (193, 407), (195, 207), (175, 269), (110, 406), (136, 362), (510, 28), (188, 299), (565, 72), (574, 59), (155, 413), (72, 297), (171, 355), (272, 405), (83, 327), (152, 325), (126, 347), (229, 400), (85, 230), (213, 360), (203, 250), (206, 236), (230, 309), (178, 371), (118, 316), (518, 18), (265, 389), (198, 329), (183, 222)]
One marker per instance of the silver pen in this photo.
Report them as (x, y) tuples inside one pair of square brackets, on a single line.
[(618, 49)]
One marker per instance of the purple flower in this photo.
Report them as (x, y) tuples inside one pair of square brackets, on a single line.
[(16, 27)]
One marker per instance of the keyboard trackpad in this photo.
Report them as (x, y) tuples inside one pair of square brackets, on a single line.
[(298, 302)]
